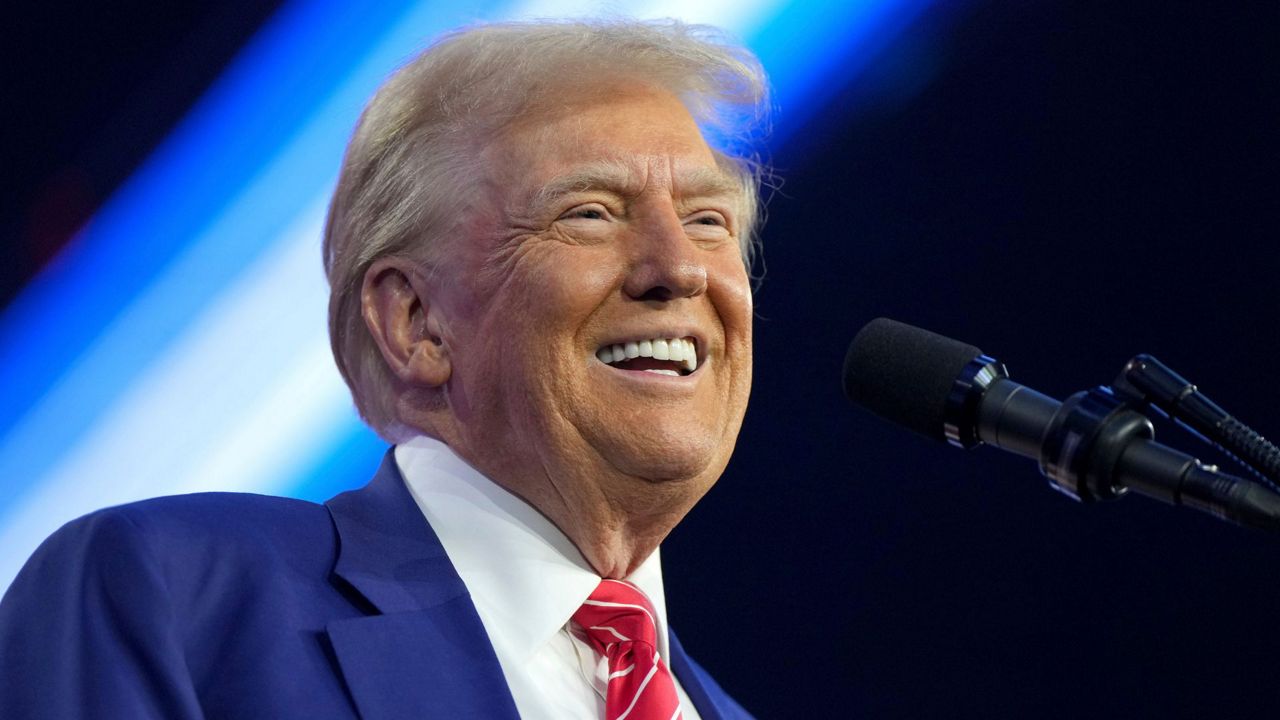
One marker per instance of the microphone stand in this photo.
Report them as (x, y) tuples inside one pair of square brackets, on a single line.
[(1095, 446), (1098, 448), (1145, 379)]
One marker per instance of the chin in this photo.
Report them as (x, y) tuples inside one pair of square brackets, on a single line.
[(668, 458)]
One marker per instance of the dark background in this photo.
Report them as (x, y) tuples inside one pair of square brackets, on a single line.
[(1064, 185)]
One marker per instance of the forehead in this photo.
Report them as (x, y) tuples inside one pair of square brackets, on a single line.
[(628, 138)]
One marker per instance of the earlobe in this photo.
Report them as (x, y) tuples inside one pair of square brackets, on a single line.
[(406, 327)]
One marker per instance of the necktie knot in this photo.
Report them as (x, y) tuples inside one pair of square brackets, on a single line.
[(617, 612), (621, 624)]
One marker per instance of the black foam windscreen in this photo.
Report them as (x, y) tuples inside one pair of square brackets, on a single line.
[(904, 374)]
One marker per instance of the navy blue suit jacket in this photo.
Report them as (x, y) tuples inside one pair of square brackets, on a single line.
[(225, 605)]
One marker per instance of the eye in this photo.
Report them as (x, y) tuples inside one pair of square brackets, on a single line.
[(707, 222), (586, 212)]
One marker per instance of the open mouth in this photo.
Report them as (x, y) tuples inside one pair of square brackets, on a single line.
[(662, 356)]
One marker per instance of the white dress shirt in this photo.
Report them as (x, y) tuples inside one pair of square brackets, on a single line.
[(527, 579)]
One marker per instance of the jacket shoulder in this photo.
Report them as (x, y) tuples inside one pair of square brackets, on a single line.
[(224, 523), (220, 517), (188, 544), (207, 597)]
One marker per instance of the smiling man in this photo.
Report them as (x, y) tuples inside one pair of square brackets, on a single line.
[(541, 298)]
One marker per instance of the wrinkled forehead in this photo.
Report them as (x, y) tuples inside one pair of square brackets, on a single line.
[(633, 175), (624, 140)]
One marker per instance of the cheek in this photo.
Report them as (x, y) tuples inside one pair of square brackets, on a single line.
[(734, 306), (536, 322), (564, 285), (731, 293)]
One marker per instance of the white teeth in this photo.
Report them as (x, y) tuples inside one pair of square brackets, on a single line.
[(675, 350), (661, 351), (678, 350), (672, 373)]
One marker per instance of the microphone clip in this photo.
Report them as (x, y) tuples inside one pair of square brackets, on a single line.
[(1084, 442)]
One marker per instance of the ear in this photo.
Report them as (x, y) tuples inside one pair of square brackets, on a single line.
[(404, 323)]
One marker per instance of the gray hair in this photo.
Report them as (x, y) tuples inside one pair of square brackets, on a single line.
[(415, 147)]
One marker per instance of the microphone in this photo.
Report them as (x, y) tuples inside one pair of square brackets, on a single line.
[(1091, 447)]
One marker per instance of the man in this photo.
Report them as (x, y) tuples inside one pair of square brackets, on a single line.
[(540, 294)]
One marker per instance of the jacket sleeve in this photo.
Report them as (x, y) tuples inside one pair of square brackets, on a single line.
[(88, 629)]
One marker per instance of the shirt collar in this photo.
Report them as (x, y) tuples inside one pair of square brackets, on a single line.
[(525, 576)]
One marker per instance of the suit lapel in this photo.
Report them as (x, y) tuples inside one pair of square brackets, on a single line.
[(425, 654), (694, 681)]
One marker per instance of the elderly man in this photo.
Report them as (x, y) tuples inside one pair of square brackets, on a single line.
[(540, 295)]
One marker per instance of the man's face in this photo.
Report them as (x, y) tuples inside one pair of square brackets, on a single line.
[(607, 225)]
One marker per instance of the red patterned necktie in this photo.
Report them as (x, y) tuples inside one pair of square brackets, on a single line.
[(619, 622)]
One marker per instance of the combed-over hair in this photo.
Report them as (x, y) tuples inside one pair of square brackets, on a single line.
[(402, 188)]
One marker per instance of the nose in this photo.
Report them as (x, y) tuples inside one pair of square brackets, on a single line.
[(666, 265)]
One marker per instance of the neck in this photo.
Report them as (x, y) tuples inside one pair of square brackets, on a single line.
[(615, 541), (615, 520), (616, 523)]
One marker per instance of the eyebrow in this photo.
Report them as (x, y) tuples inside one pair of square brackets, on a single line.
[(618, 178)]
